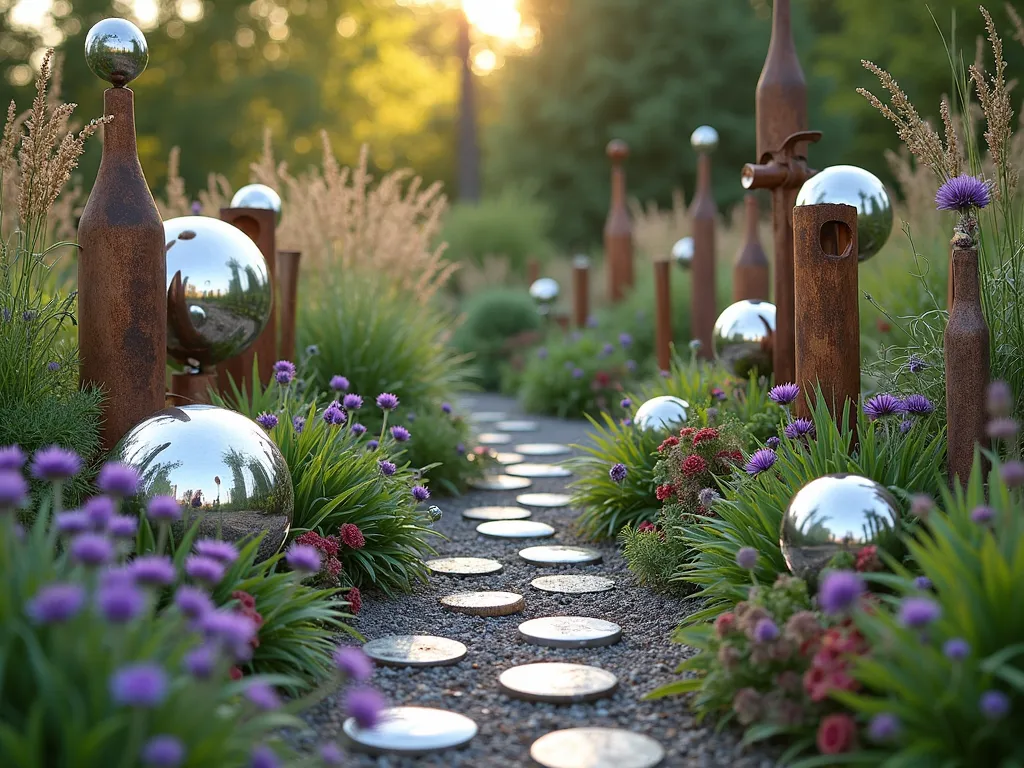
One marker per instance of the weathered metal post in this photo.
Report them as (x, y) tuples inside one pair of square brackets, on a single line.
[(287, 299), (750, 271), (618, 229), (580, 289), (704, 215), (532, 271), (663, 314)]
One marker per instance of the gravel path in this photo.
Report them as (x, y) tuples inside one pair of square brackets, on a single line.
[(643, 660)]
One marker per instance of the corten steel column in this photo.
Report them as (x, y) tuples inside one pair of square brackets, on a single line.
[(750, 272), (967, 367), (782, 138), (581, 290), (703, 214), (827, 313), (663, 314), (618, 229), (287, 299), (532, 271)]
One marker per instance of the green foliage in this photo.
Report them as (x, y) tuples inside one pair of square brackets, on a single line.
[(653, 558), (439, 446), (492, 317)]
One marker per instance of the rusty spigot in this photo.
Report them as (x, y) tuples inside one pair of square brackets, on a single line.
[(783, 169)]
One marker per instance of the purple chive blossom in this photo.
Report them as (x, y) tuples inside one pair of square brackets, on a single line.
[(263, 757), (919, 612), (365, 705), (799, 428), (331, 755), (163, 751), (372, 445), (352, 402), (357, 429), (11, 457), (918, 405), (883, 727), (883, 405), (607, 349), (13, 489), (625, 340), (99, 510), (1012, 473), (761, 461), (91, 549), (981, 514), (994, 705), (221, 551), (192, 602), (905, 426), (625, 403), (284, 378), (204, 569), (53, 366), (163, 509), (56, 603), (773, 443), (201, 662), (577, 373), (707, 497), (617, 473), (746, 558), (339, 383), (386, 467), (386, 401), (152, 570), (839, 591), (923, 582), (765, 631), (75, 521), (334, 416), (123, 527), (1002, 429), (233, 630), (285, 366), (999, 401), (354, 664), (139, 685), (784, 394), (55, 463), (298, 424), (303, 558), (118, 480), (962, 193), (420, 493), (401, 434), (446, 408), (956, 649), (267, 420), (263, 697), (120, 602)]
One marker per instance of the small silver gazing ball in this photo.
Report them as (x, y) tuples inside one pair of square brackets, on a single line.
[(744, 336), (434, 513), (704, 139), (258, 196), (834, 514), (662, 414), (850, 185), (116, 51), (581, 261), (544, 292), (682, 253)]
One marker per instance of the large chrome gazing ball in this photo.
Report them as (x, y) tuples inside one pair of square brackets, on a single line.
[(258, 196), (704, 139), (854, 186), (116, 51), (544, 292), (662, 414), (218, 290), (744, 336), (682, 253), (221, 467), (834, 514)]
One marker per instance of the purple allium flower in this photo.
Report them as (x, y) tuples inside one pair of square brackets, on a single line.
[(163, 751), (298, 424), (784, 394), (283, 378), (607, 349), (627, 422), (625, 403), (221, 551), (420, 493), (883, 405), (365, 705), (263, 757), (982, 514), (761, 461), (922, 582), (918, 405), (631, 365), (303, 558), (354, 664), (839, 591), (352, 402), (285, 366), (13, 489), (197, 207), (625, 340), (99, 510), (75, 521), (53, 366), (91, 549), (387, 468), (357, 429), (542, 353), (204, 569), (55, 463), (905, 426), (372, 445), (1012, 473), (919, 612), (915, 364), (267, 420), (163, 509), (263, 697), (1002, 428), (139, 685), (765, 631), (339, 383), (956, 649), (120, 602), (387, 402), (799, 428), (123, 527), (707, 497), (999, 401), (446, 408), (401, 434), (883, 727), (56, 603), (664, 374), (201, 662), (773, 443), (746, 558), (994, 705), (192, 602), (577, 373), (618, 472), (331, 755), (152, 570), (234, 631), (334, 416), (11, 457), (962, 193)]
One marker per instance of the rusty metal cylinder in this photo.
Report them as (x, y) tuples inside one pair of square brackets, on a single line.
[(580, 290), (663, 313), (618, 228), (703, 215), (287, 297), (750, 272)]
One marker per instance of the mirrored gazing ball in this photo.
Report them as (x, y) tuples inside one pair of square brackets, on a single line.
[(854, 186), (834, 514), (258, 196), (682, 253), (617, 150), (544, 291), (743, 337), (116, 51), (581, 261), (219, 294), (222, 468), (662, 414), (704, 139)]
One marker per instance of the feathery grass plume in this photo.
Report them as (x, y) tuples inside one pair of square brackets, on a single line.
[(656, 230), (994, 95), (175, 202)]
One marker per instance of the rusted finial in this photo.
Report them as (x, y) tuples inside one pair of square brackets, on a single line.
[(618, 229), (703, 213), (287, 299), (580, 289), (663, 313), (750, 271)]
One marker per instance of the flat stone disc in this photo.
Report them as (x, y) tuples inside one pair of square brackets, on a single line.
[(596, 748), (570, 632), (506, 458), (543, 449), (485, 603), (500, 483), (557, 683), (463, 566), (411, 731), (515, 529), (487, 417), (572, 584), (549, 500), (538, 470), (496, 513), (415, 651), (494, 438), (559, 554), (516, 426)]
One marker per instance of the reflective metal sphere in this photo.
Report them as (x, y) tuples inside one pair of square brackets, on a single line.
[(744, 335), (220, 466), (704, 139), (544, 292), (833, 514), (258, 196), (434, 513), (617, 149), (682, 252), (864, 191), (581, 261), (662, 414), (218, 290), (116, 51)]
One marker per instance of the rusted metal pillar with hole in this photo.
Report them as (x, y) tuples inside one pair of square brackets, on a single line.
[(618, 229), (827, 314), (580, 289), (663, 314), (703, 215), (966, 346), (750, 272), (287, 297)]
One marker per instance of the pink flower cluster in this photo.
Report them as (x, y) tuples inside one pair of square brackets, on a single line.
[(348, 535)]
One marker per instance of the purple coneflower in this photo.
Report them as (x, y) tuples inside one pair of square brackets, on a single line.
[(352, 402), (420, 493), (387, 401), (882, 406), (56, 603), (55, 463), (400, 433), (799, 428), (962, 193), (839, 591), (617, 473), (267, 420), (139, 685), (784, 394), (761, 461), (917, 405), (339, 383)]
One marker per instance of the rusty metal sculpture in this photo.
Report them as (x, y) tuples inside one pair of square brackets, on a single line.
[(750, 271), (663, 313), (703, 214), (287, 299), (580, 289), (618, 229)]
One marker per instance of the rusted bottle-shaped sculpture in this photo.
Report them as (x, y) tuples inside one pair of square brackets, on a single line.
[(663, 314), (750, 271), (122, 307), (580, 289), (287, 299), (967, 367), (618, 229), (703, 216)]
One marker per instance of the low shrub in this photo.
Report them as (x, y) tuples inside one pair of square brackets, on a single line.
[(491, 318)]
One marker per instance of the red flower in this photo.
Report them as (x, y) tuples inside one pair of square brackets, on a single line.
[(310, 539), (668, 442), (602, 379), (868, 560), (686, 431), (330, 545), (730, 456), (355, 600), (664, 491), (247, 601), (703, 435), (333, 567), (724, 624), (835, 734), (236, 673), (352, 536), (647, 527), (883, 326), (694, 465)]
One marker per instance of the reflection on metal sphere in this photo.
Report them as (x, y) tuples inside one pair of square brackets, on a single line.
[(854, 186), (743, 337), (116, 51), (544, 292), (704, 139), (833, 514), (220, 466), (258, 196), (682, 252), (662, 414), (218, 290)]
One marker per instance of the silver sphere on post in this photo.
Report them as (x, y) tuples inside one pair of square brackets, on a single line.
[(850, 185), (221, 467), (682, 253), (704, 139), (258, 196), (218, 290), (835, 514), (662, 414), (116, 51), (744, 335), (544, 293), (581, 261)]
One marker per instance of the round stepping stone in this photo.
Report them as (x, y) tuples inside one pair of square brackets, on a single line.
[(538, 470), (548, 500), (463, 566), (557, 683), (415, 651), (516, 426), (487, 417), (559, 554), (515, 529), (543, 449), (570, 632), (485, 603), (412, 731), (572, 584), (494, 438), (596, 748), (500, 483), (507, 458), (496, 513)]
